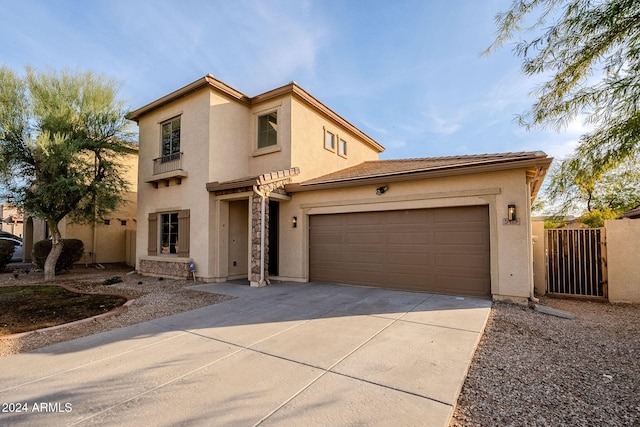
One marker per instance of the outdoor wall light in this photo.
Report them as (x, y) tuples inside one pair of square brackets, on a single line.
[(381, 190), (294, 222), (511, 212)]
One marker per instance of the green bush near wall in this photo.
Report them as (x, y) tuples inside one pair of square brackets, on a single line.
[(6, 253), (72, 250)]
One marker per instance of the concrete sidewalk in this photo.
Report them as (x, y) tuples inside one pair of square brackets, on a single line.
[(287, 354)]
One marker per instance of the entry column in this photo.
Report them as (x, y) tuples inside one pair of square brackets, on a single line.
[(259, 274)]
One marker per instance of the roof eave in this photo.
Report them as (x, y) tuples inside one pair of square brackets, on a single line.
[(205, 81), (541, 164)]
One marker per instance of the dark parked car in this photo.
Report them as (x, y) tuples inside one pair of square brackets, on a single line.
[(17, 244), (7, 234)]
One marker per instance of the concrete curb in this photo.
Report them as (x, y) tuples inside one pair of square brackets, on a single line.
[(553, 311)]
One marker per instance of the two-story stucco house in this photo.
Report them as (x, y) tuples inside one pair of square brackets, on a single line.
[(279, 186)]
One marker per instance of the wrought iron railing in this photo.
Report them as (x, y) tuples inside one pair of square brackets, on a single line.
[(171, 162)]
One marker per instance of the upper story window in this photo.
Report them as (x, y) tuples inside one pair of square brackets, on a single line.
[(171, 139), (342, 147), (268, 130), (329, 141)]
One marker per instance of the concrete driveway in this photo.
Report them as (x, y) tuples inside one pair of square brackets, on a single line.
[(287, 354)]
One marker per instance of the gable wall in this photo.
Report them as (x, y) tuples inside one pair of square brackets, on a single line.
[(270, 159), (308, 139)]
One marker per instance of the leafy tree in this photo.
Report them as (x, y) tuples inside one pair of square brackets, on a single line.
[(597, 217), (575, 187), (590, 52), (62, 138)]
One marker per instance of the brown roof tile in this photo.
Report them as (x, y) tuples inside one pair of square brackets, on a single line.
[(383, 168)]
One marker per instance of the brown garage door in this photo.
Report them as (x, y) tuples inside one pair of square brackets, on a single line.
[(444, 250)]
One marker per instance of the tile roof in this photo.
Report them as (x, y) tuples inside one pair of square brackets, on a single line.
[(633, 213), (387, 168)]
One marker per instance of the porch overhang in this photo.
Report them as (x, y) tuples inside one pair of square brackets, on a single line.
[(247, 183)]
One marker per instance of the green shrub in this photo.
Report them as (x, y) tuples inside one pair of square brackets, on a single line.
[(6, 253), (112, 281), (72, 250), (597, 217)]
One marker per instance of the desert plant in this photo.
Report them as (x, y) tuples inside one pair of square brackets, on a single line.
[(6, 253), (72, 250), (112, 281)]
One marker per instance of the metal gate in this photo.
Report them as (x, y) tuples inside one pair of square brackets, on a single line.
[(577, 262)]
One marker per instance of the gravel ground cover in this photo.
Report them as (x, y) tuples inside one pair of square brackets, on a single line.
[(152, 298), (534, 369)]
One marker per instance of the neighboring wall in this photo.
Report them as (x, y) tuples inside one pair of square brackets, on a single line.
[(623, 260), (16, 227), (539, 265), (105, 243)]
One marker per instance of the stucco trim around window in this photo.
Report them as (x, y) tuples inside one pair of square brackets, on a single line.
[(330, 140), (267, 137), (342, 147)]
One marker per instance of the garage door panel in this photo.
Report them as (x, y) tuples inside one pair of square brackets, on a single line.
[(435, 250), (457, 215), (362, 219), (409, 258), (365, 238), (364, 258), (461, 261), (414, 237), (460, 238)]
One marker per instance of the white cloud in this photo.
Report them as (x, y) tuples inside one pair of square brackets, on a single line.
[(395, 143), (440, 125)]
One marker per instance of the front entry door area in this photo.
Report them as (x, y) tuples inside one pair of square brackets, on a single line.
[(238, 239)]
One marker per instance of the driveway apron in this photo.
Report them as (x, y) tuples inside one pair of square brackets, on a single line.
[(286, 354)]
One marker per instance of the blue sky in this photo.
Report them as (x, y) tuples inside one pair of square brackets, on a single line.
[(408, 73)]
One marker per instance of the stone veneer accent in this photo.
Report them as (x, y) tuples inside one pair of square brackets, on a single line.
[(256, 230), (256, 216), (166, 267)]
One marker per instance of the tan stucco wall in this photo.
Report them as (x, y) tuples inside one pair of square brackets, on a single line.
[(623, 260), (511, 270), (539, 264), (229, 126), (191, 193), (309, 152)]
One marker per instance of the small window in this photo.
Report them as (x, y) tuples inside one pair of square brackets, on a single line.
[(107, 222), (123, 222), (342, 148), (268, 130), (171, 140), (169, 233), (329, 141)]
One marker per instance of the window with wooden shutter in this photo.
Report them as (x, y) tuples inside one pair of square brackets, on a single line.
[(183, 233), (152, 247)]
